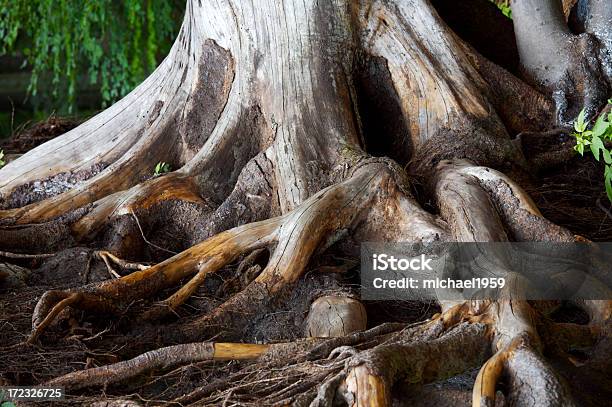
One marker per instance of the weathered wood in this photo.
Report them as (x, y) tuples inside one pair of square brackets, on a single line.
[(256, 109)]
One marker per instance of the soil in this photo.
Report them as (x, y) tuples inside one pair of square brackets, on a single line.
[(570, 194), (30, 135)]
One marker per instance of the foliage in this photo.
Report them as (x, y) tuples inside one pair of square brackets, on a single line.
[(2, 163), (110, 43), (161, 168), (595, 138), (3, 402), (504, 6)]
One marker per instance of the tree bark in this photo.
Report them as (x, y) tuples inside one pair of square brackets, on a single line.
[(266, 112)]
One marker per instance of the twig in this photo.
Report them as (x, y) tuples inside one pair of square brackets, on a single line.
[(108, 257), (87, 269), (145, 239), (603, 208), (110, 269), (96, 335), (26, 256)]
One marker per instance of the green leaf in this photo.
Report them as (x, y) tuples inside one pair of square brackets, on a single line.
[(579, 148), (606, 155), (161, 168), (596, 145), (579, 123), (608, 182), (600, 127)]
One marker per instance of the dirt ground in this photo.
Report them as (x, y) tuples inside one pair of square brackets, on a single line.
[(570, 194)]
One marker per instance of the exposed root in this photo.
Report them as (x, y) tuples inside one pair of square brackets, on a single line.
[(413, 359), (108, 257), (143, 196), (513, 322), (531, 380), (163, 358), (374, 360), (209, 255), (297, 234), (335, 315), (520, 215), (42, 323), (299, 119), (485, 386), (26, 256)]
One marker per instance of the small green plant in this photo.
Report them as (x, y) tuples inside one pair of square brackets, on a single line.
[(2, 163), (161, 168), (595, 138), (504, 7), (3, 402)]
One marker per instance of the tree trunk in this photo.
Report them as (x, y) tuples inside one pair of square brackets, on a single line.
[(274, 117)]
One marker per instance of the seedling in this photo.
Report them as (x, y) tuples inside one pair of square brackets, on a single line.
[(504, 7), (161, 168), (595, 138)]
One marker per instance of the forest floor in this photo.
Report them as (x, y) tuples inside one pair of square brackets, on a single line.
[(570, 194)]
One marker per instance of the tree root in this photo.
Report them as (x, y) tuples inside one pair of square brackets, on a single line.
[(159, 359), (506, 326), (10, 255), (285, 164), (207, 256), (108, 258), (297, 235), (368, 376), (539, 384)]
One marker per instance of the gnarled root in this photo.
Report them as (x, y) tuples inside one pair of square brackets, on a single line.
[(513, 322), (359, 368), (509, 326), (297, 235), (205, 257), (413, 360), (530, 379)]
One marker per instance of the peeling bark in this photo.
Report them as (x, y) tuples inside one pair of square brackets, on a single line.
[(265, 112)]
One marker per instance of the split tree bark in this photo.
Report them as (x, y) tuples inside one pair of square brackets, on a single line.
[(259, 108)]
